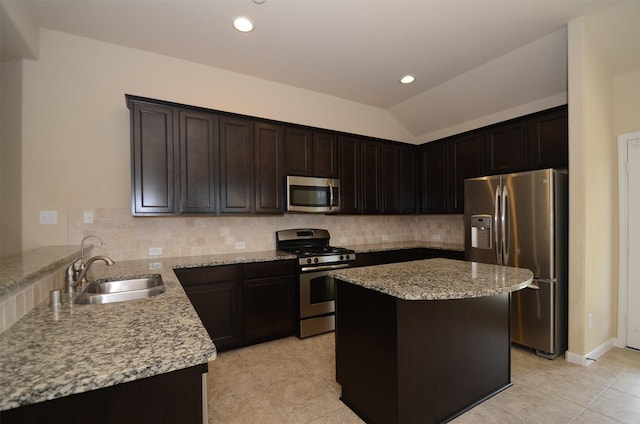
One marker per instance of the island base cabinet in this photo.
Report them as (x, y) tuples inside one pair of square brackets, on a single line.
[(401, 361), (174, 397)]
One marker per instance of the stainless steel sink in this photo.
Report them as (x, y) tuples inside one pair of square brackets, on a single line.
[(120, 290)]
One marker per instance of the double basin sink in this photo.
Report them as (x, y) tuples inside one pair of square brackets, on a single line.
[(120, 290)]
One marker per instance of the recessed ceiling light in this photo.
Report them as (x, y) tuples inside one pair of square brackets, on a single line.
[(407, 79), (243, 24)]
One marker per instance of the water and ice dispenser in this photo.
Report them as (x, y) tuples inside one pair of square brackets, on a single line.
[(481, 234)]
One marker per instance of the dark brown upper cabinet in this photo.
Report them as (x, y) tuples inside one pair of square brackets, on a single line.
[(409, 179), (435, 177), (153, 159), (198, 161), (467, 158), (236, 165), (445, 166), (311, 153), (349, 175), (269, 168), (370, 187), (548, 145), (400, 178), (506, 147)]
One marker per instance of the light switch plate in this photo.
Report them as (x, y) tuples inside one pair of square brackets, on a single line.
[(88, 217), (48, 217)]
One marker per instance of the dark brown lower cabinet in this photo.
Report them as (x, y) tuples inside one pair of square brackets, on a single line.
[(410, 361), (174, 397), (404, 255), (243, 304)]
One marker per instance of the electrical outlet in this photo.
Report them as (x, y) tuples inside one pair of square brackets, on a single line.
[(344, 240), (155, 251), (88, 217), (590, 321), (155, 265), (241, 245), (48, 217), (385, 238), (436, 237)]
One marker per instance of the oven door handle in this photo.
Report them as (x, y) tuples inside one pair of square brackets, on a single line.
[(324, 267)]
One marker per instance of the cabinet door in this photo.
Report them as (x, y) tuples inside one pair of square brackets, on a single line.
[(435, 177), (269, 307), (349, 175), (325, 153), (152, 159), (236, 165), (549, 140), (299, 152), (409, 179), (390, 179), (506, 147), (217, 307), (216, 295), (467, 162), (198, 159), (269, 168), (370, 187)]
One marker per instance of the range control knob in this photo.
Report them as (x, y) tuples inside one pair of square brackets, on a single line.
[(309, 260), (348, 257), (315, 260), (342, 257)]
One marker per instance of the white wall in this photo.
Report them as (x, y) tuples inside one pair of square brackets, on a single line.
[(10, 157), (602, 104), (76, 126)]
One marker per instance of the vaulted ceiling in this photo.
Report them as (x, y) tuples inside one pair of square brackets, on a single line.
[(470, 58)]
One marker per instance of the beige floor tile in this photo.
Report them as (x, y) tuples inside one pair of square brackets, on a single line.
[(591, 417), (628, 382), (618, 405), (293, 381)]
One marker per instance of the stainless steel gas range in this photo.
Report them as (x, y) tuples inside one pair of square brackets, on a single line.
[(316, 289)]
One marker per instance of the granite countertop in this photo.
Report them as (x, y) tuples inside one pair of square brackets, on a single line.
[(21, 269), (52, 353), (437, 279), (402, 245)]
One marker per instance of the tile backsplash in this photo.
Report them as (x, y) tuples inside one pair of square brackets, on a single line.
[(128, 238)]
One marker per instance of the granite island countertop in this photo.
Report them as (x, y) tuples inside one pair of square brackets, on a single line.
[(56, 352), (437, 279)]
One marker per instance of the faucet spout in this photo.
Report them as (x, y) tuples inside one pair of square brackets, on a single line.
[(82, 278)]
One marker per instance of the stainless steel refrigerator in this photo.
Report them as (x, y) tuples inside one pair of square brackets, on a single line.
[(521, 220)]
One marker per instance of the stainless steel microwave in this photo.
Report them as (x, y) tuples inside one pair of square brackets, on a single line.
[(314, 195)]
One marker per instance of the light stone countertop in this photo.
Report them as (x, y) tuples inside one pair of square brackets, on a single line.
[(52, 353), (403, 245), (437, 279)]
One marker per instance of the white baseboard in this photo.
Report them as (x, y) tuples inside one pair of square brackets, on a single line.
[(589, 358)]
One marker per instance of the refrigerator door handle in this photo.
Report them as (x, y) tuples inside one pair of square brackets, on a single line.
[(496, 229), (504, 224)]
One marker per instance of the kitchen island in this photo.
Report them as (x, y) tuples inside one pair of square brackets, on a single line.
[(423, 341)]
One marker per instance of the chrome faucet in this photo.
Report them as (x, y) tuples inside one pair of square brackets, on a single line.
[(82, 278), (82, 263), (78, 265)]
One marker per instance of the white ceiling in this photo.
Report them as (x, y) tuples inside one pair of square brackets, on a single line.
[(356, 50)]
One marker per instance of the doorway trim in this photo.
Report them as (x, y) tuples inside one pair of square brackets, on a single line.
[(623, 226)]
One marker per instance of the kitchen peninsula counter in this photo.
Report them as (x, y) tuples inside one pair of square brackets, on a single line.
[(423, 341), (52, 353)]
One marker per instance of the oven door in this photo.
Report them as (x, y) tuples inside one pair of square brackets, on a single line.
[(317, 294)]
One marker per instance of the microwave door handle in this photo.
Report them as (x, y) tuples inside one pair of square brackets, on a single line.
[(330, 196), (496, 228)]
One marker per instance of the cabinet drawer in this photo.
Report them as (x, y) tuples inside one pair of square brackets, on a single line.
[(268, 269), (207, 274)]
